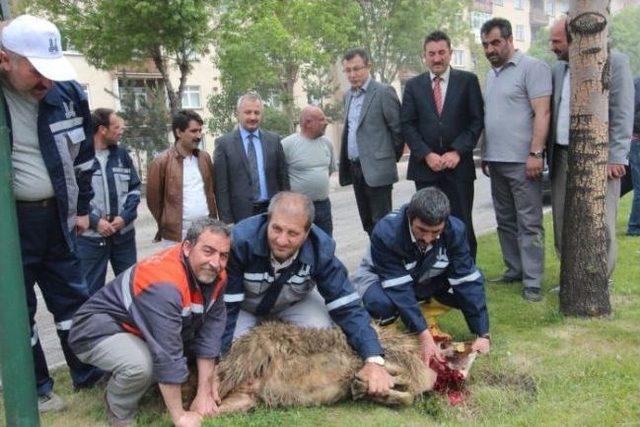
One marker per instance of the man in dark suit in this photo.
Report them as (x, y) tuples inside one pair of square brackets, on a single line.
[(371, 139), (442, 118), (249, 165)]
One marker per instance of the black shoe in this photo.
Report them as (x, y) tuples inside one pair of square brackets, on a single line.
[(532, 294), (505, 279)]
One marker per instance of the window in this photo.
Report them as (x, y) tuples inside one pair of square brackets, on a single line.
[(498, 3), (191, 97), (135, 96), (479, 18), (458, 57), (549, 7), (520, 33), (518, 4)]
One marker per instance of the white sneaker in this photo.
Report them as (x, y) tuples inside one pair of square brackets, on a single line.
[(50, 403)]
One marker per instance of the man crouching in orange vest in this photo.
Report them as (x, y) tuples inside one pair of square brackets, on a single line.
[(142, 326)]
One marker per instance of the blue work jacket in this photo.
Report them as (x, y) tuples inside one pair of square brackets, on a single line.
[(251, 275)]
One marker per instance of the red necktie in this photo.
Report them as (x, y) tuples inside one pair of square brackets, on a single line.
[(437, 94)]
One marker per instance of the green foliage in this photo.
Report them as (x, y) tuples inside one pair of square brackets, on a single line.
[(269, 45), (277, 121), (111, 33), (393, 31), (540, 47), (625, 35), (146, 119)]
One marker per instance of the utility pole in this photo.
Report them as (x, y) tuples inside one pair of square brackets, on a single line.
[(16, 359)]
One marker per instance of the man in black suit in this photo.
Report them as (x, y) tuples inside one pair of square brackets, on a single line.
[(249, 165), (442, 118)]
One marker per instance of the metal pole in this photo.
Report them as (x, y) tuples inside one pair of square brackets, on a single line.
[(16, 359)]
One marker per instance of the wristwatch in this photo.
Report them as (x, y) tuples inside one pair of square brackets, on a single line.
[(378, 360), (537, 154)]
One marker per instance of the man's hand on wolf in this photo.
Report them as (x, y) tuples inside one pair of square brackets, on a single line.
[(379, 380)]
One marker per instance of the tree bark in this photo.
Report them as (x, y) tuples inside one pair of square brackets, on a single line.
[(583, 276)]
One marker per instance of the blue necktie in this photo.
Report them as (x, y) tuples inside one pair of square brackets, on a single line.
[(253, 166)]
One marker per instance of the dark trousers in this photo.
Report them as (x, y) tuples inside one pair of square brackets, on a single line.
[(373, 202), (47, 260), (460, 194), (323, 216), (96, 252), (380, 306)]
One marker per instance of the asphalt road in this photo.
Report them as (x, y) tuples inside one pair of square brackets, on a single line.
[(348, 233)]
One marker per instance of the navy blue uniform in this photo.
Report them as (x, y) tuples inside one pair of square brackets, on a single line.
[(252, 280), (116, 194), (47, 227), (395, 275)]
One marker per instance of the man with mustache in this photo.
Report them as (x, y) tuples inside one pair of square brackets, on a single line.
[(180, 181), (282, 266), (111, 236), (516, 121), (442, 118), (52, 161), (250, 165), (144, 326)]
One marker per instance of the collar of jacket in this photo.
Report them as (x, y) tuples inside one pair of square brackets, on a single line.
[(174, 152), (261, 249)]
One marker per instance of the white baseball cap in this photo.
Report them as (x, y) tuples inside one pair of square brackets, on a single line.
[(38, 40)]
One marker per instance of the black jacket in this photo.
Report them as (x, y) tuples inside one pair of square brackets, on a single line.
[(458, 128)]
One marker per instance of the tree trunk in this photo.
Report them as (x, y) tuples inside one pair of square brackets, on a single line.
[(583, 275), (162, 66)]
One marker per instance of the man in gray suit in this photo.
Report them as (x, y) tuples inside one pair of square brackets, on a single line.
[(620, 130), (371, 139), (249, 165)]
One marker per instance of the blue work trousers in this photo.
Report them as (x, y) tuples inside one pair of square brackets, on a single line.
[(96, 252), (48, 261), (633, 229), (323, 217)]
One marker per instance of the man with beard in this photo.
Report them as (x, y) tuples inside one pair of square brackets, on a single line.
[(249, 164), (144, 326), (281, 266), (116, 195), (52, 161), (180, 181), (310, 162), (421, 254), (516, 121), (621, 93)]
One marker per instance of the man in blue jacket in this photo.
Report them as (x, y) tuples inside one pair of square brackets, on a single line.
[(283, 266), (52, 158), (418, 253), (114, 207)]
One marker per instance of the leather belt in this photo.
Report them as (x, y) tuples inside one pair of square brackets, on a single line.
[(45, 203)]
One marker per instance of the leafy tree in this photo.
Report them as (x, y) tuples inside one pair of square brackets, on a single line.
[(269, 45), (114, 32), (625, 35), (583, 269), (540, 47), (393, 31), (146, 118)]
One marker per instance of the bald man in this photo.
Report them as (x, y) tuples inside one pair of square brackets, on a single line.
[(281, 266), (310, 160), (620, 131)]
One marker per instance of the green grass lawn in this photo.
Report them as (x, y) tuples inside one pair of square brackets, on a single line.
[(543, 369)]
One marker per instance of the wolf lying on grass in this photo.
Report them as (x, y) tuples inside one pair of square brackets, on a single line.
[(280, 365)]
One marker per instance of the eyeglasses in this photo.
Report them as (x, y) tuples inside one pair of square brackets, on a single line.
[(353, 70)]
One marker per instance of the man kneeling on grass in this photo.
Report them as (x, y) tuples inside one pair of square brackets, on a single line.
[(420, 254), (143, 325)]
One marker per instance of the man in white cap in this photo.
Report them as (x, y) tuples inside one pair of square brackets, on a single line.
[(52, 157)]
